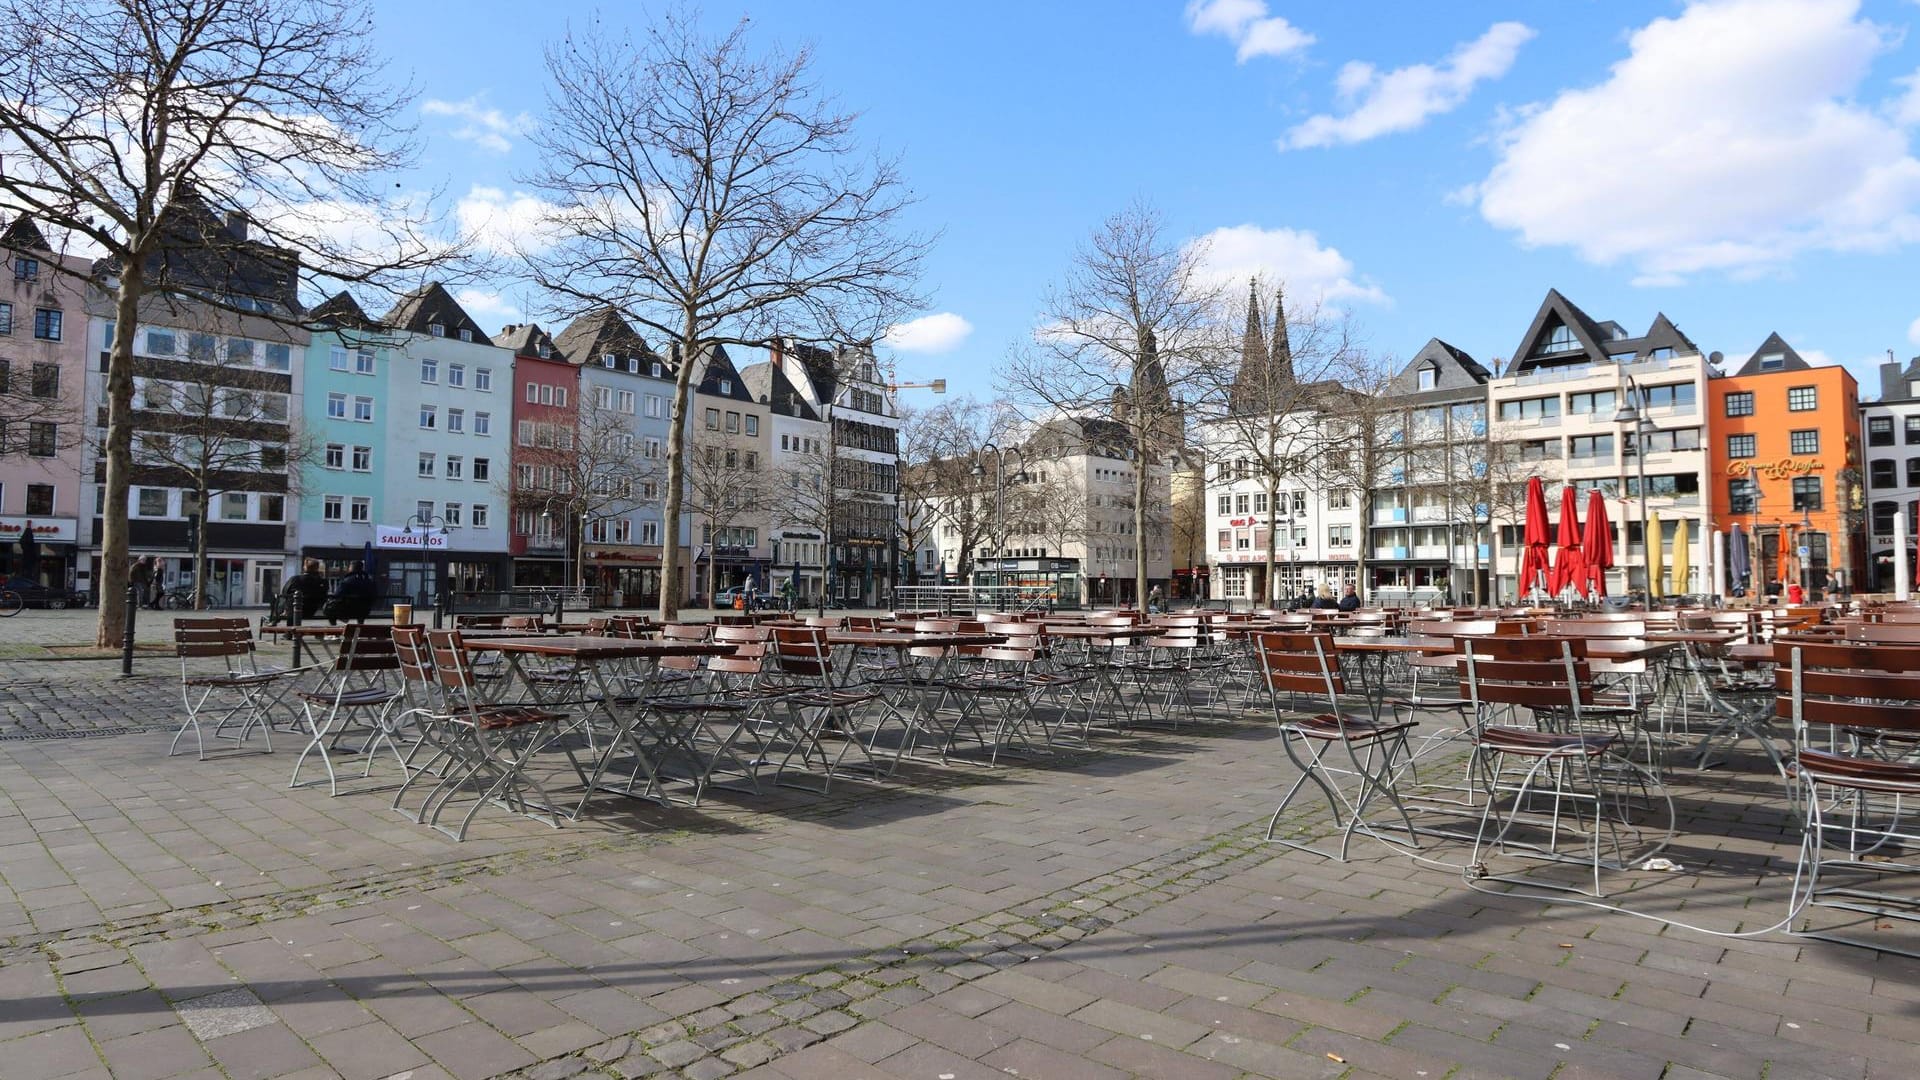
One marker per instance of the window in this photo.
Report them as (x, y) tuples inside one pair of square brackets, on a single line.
[(726, 386), (426, 465), (436, 330), (1883, 512), (1540, 408), (1669, 396), (1913, 472), (546, 394), (429, 371), (1804, 442), (1806, 493), (363, 459), (466, 333), (424, 511), (1592, 402), (1429, 376), (150, 502), (479, 518), (753, 425), (713, 419), (624, 401), (603, 397), (336, 406), (337, 358), (524, 436), (1240, 504), (1881, 473), (456, 467), (200, 347), (456, 374), (651, 449), (654, 402), (560, 396), (333, 508), (160, 343), (336, 456), (363, 410), (657, 370), (363, 362), (1539, 449), (362, 510), (46, 324), (482, 423), (533, 394), (233, 506), (1590, 446), (1880, 431), (6, 322), (1259, 502), (1739, 446), (1339, 498), (1773, 361), (483, 381), (482, 470), (39, 498), (429, 417), (733, 422), (1339, 536), (25, 269), (1739, 403), (1224, 506), (456, 420), (1803, 399), (46, 380), (454, 513), (1913, 430)]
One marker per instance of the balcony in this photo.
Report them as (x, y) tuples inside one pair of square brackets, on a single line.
[(1395, 515)]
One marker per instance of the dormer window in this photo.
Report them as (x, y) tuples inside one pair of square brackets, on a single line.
[(545, 351), (608, 360), (25, 269), (1560, 341), (1773, 361), (726, 386), (633, 366), (1429, 376), (436, 330), (658, 370), (466, 334)]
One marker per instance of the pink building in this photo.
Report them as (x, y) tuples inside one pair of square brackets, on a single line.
[(43, 341)]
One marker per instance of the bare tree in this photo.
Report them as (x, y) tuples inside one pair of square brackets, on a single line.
[(1047, 506), (1360, 438), (589, 471), (713, 196), (1263, 403), (1125, 333), (144, 129), (36, 413), (214, 427), (959, 502)]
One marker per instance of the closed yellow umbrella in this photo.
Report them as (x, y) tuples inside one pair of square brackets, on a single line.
[(1682, 557), (1652, 543)]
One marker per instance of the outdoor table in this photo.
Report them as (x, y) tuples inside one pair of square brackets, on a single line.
[(319, 634), (911, 682), (1371, 654), (1101, 642), (626, 716)]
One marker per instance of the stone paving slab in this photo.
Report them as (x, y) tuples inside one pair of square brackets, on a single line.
[(1101, 914)]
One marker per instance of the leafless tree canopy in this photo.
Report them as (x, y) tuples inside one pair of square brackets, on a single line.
[(712, 195), (140, 129), (938, 473), (1124, 334)]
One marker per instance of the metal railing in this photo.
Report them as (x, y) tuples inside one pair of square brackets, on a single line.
[(950, 598)]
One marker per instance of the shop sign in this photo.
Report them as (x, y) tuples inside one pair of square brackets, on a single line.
[(47, 530), (1783, 469), (390, 538)]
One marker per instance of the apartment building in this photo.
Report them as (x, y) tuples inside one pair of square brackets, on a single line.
[(1427, 510), (800, 499), (729, 480), (546, 412), (1785, 450), (1891, 428), (348, 362), (43, 373), (1553, 413)]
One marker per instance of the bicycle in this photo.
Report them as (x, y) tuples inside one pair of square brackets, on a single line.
[(10, 603)]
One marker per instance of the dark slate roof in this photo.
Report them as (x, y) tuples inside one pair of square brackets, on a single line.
[(1775, 345), (1457, 372), (202, 252), (1594, 342), (343, 311), (429, 305), (21, 234), (770, 386), (527, 339), (718, 365), (597, 333)]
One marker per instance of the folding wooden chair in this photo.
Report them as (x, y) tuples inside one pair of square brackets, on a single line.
[(221, 680), (358, 695)]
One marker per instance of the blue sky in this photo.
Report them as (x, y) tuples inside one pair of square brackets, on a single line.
[(1744, 166)]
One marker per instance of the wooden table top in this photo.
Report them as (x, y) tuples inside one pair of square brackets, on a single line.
[(1081, 630), (1432, 646), (585, 647), (885, 639)]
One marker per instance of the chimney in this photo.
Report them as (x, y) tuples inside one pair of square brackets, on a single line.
[(775, 354), (1892, 379), (237, 224)]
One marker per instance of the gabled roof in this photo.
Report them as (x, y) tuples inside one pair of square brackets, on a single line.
[(1556, 311), (343, 311), (527, 339), (770, 386), (598, 333), (432, 305), (1457, 370), (1774, 346), (21, 234), (716, 366), (204, 253)]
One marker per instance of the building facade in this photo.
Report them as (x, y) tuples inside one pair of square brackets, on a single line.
[(1427, 514), (729, 483), (1785, 455), (343, 486), (1891, 433)]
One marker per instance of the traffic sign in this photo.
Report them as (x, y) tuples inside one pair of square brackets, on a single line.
[(1805, 551)]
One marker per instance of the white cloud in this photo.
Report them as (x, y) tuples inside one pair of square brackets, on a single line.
[(1403, 99), (937, 333), (1908, 111), (1913, 332), (488, 307), (504, 223), (1247, 24), (1728, 139), (1310, 271), (485, 125)]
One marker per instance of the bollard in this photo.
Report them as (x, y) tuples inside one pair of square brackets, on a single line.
[(126, 640)]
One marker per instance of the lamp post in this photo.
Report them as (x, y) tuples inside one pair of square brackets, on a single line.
[(1757, 554), (429, 526), (566, 536), (1633, 415), (999, 489), (1806, 541)]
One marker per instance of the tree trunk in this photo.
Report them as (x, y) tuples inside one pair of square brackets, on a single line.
[(115, 565), (201, 600), (1140, 516), (1273, 540), (671, 594)]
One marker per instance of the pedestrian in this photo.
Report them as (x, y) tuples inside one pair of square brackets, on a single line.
[(1154, 600), (29, 554), (142, 576), (1796, 595)]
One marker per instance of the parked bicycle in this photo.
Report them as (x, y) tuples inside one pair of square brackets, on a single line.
[(185, 598), (10, 603)]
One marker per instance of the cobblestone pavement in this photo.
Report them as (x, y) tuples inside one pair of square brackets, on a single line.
[(1109, 913)]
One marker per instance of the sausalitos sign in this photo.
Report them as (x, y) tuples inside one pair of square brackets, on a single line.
[(386, 536), (1775, 470)]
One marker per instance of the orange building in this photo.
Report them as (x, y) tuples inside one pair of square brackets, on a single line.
[(1785, 457)]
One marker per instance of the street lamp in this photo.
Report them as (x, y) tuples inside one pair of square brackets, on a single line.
[(429, 526), (999, 488), (566, 537), (1633, 415), (1805, 541)]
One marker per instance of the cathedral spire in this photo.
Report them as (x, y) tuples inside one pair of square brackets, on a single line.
[(1253, 347), (1282, 358)]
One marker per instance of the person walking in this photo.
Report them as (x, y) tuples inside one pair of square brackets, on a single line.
[(142, 577)]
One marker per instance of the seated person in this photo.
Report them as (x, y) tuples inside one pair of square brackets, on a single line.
[(1325, 601), (354, 599), (1349, 600), (306, 592)]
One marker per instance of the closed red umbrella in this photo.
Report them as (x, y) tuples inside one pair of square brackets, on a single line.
[(1569, 567), (1596, 548), (1533, 539)]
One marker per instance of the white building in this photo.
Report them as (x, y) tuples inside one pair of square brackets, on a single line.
[(1891, 427)]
